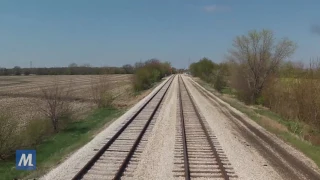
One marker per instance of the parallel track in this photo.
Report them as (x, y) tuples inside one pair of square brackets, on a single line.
[(289, 168), (198, 153), (115, 157)]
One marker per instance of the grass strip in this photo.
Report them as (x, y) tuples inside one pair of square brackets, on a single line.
[(55, 149)]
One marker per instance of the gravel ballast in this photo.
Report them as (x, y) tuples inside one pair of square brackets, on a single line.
[(246, 161), (286, 160), (77, 160), (157, 158)]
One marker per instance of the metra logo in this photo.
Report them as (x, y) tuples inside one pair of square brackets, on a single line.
[(26, 159)]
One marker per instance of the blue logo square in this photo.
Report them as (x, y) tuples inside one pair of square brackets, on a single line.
[(25, 159)]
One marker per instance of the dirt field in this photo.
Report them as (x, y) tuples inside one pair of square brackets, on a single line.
[(18, 93)]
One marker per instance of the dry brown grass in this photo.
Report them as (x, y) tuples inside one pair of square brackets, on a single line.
[(33, 105), (20, 92), (298, 101), (81, 87), (295, 99), (267, 122)]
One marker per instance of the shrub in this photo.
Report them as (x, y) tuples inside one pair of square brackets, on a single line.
[(220, 77), (141, 79), (27, 73), (9, 140), (35, 131), (101, 92), (211, 72), (16, 135), (219, 82), (296, 98), (155, 76)]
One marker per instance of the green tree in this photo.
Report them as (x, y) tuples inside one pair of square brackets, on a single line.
[(149, 72), (17, 70), (203, 69), (128, 69)]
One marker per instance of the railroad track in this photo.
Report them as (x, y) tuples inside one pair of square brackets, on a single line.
[(198, 153), (120, 155)]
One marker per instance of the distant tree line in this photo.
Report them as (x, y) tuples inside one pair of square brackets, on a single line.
[(151, 71), (72, 69)]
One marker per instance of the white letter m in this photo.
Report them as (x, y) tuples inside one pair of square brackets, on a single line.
[(26, 160)]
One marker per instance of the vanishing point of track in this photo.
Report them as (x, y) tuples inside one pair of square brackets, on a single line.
[(198, 153), (115, 157)]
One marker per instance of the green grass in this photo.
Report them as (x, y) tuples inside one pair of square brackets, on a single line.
[(292, 125), (313, 152), (228, 90), (54, 149)]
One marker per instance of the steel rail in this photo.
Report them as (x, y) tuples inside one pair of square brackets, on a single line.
[(136, 143), (221, 167), (92, 161), (184, 139)]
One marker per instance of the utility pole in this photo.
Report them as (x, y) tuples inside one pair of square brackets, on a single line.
[(30, 64)]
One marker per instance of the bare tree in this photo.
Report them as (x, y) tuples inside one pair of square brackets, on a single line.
[(56, 106), (255, 57), (73, 65)]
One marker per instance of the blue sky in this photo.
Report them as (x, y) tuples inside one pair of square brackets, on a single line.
[(117, 32)]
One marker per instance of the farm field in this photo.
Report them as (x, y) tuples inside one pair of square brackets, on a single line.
[(26, 86), (22, 95)]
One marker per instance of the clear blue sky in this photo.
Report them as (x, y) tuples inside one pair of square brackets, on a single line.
[(116, 32)]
